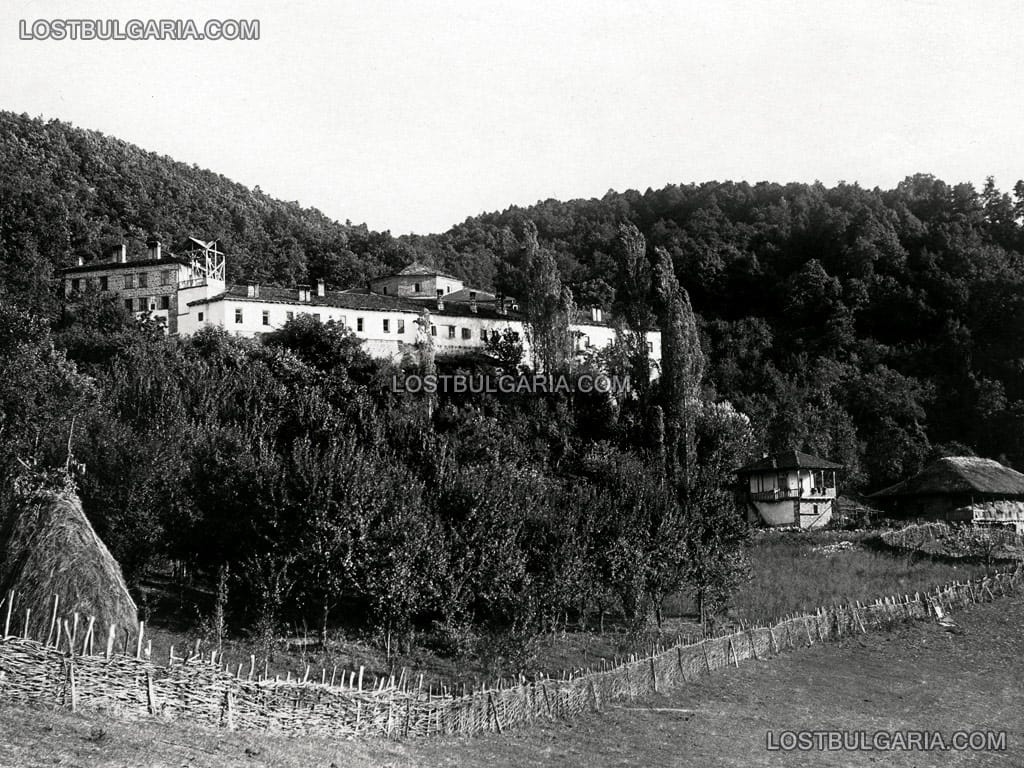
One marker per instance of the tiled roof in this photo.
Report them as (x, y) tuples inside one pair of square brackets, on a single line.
[(959, 474), (274, 295), (418, 269), (346, 300), (788, 460), (463, 295), (461, 309), (100, 266)]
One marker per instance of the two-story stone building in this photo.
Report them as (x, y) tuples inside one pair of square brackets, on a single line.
[(790, 488), (155, 283)]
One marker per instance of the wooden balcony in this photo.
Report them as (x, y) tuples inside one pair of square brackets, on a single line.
[(776, 494), (782, 494)]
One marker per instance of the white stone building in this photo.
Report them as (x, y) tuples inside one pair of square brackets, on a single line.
[(190, 293), (790, 488)]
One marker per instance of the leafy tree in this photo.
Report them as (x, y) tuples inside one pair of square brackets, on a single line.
[(506, 348)]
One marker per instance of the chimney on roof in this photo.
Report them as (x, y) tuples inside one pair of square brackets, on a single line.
[(80, 261), (500, 302), (253, 291), (154, 248), (120, 254), (595, 314), (440, 299), (303, 293), (321, 287), (472, 301)]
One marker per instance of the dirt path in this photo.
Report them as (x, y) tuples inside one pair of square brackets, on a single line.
[(919, 677)]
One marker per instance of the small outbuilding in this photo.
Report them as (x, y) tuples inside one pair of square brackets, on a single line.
[(964, 489), (790, 488)]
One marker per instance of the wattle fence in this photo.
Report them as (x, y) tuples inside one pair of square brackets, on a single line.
[(918, 535), (66, 670)]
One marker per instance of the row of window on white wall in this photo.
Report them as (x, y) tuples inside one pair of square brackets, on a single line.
[(386, 324)]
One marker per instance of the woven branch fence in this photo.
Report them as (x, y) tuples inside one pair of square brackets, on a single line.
[(913, 537), (76, 668)]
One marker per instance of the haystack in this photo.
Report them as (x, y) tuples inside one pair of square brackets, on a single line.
[(48, 547)]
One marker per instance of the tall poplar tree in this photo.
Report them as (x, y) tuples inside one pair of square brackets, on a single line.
[(682, 369), (549, 305), (632, 300)]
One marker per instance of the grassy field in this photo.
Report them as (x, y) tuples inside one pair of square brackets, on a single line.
[(918, 677), (802, 571)]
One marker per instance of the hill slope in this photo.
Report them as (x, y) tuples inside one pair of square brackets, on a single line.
[(876, 327), (65, 191)]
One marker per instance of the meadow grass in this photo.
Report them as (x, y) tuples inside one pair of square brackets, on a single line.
[(800, 571)]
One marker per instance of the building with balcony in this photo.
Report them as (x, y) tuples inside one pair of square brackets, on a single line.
[(790, 488)]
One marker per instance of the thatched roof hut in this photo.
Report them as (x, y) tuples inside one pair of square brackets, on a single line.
[(959, 488), (960, 474), (47, 548)]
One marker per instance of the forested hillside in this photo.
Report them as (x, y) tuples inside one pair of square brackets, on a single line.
[(875, 327), (66, 192)]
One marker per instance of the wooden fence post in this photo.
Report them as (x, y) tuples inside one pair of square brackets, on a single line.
[(10, 606), (229, 714), (150, 694), (87, 640), (53, 621), (73, 686), (494, 711)]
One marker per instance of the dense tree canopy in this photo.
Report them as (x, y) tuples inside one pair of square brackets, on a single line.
[(874, 327)]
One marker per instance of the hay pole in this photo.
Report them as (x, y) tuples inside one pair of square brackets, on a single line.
[(110, 640), (24, 630), (138, 642)]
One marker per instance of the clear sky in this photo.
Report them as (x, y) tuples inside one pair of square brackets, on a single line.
[(413, 115)]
